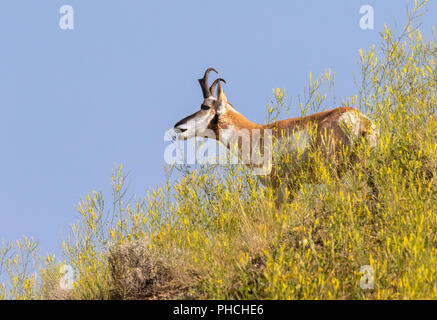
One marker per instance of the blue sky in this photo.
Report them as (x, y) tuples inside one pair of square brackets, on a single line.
[(76, 102)]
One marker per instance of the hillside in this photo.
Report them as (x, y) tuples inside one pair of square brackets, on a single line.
[(216, 232)]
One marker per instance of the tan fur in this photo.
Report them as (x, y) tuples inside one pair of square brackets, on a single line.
[(323, 121)]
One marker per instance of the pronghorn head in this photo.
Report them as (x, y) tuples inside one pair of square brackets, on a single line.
[(205, 121)]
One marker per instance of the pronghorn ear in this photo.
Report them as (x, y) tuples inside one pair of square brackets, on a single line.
[(221, 99)]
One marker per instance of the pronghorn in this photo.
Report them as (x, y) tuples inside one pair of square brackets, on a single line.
[(343, 124)]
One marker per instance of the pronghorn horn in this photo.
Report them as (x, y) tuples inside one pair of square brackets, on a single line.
[(214, 84), (204, 83), (221, 97)]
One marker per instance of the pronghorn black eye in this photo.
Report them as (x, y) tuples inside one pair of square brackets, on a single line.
[(204, 107)]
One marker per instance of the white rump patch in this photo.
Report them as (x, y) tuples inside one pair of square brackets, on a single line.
[(350, 123)]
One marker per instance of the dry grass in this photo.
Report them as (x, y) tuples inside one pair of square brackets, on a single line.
[(137, 273)]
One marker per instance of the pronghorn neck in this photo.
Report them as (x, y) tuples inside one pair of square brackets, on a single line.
[(230, 125)]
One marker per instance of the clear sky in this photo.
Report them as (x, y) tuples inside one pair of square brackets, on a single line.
[(76, 102)]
